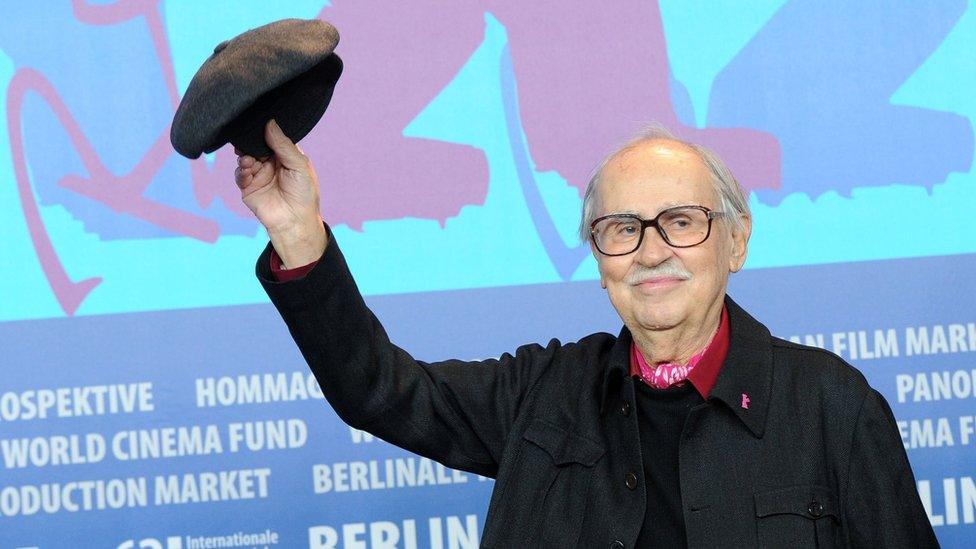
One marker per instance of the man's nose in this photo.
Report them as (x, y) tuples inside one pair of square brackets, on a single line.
[(653, 249)]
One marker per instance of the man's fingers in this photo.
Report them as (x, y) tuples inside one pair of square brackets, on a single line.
[(241, 178), (245, 161), (263, 172), (285, 151), (253, 175)]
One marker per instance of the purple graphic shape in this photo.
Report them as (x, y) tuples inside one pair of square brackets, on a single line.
[(123, 194), (69, 294), (568, 119), (398, 56), (381, 183), (589, 76), (125, 123), (820, 76)]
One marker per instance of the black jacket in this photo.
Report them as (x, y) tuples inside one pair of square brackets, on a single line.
[(814, 461)]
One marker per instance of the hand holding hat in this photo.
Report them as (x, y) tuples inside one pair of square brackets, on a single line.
[(263, 91), (283, 192)]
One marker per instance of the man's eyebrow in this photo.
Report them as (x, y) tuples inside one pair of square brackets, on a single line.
[(673, 204), (663, 207)]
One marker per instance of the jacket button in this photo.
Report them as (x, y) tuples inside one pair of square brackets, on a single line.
[(631, 480), (815, 509), (617, 545), (625, 409)]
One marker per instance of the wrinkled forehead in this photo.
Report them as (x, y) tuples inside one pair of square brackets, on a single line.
[(652, 175)]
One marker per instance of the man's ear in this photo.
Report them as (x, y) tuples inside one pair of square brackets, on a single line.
[(740, 244)]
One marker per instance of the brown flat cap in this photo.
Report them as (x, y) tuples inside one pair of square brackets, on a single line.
[(284, 70)]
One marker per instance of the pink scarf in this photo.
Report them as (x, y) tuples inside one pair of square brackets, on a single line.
[(664, 375)]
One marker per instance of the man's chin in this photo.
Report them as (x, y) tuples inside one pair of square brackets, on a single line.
[(658, 320)]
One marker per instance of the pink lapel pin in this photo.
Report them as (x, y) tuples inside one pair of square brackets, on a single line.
[(745, 401)]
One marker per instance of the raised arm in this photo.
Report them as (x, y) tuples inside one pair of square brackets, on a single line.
[(458, 413)]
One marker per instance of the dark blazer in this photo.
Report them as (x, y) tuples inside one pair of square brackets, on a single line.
[(814, 460)]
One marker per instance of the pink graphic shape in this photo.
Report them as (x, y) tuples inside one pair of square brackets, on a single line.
[(397, 58), (574, 101), (124, 10), (123, 194), (589, 76), (69, 294), (745, 401)]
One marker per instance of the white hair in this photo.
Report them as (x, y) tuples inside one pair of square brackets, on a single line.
[(731, 196)]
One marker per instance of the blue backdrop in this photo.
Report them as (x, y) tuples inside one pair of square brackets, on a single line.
[(151, 397)]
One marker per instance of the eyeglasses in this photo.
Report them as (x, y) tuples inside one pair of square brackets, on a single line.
[(680, 227)]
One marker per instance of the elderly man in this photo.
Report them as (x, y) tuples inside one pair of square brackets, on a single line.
[(694, 427)]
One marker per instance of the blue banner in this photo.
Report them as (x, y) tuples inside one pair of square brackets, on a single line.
[(151, 396)]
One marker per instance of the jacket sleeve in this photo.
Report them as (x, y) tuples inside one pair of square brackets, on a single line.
[(883, 509), (458, 413)]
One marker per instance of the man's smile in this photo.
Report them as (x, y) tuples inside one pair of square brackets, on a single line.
[(658, 283)]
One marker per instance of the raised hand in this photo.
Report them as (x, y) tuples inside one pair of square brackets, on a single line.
[(283, 192)]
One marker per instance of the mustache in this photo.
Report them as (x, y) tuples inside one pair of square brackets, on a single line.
[(669, 268)]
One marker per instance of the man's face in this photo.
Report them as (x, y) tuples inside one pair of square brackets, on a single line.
[(659, 287)]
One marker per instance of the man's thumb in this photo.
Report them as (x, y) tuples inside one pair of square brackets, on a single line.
[(285, 151)]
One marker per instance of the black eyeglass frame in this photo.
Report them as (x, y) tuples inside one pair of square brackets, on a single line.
[(645, 223)]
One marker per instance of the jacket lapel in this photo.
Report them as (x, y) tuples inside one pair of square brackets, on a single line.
[(745, 382)]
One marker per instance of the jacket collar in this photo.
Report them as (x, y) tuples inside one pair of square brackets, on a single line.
[(745, 381), (618, 368)]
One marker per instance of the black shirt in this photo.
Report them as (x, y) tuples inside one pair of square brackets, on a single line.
[(661, 415)]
